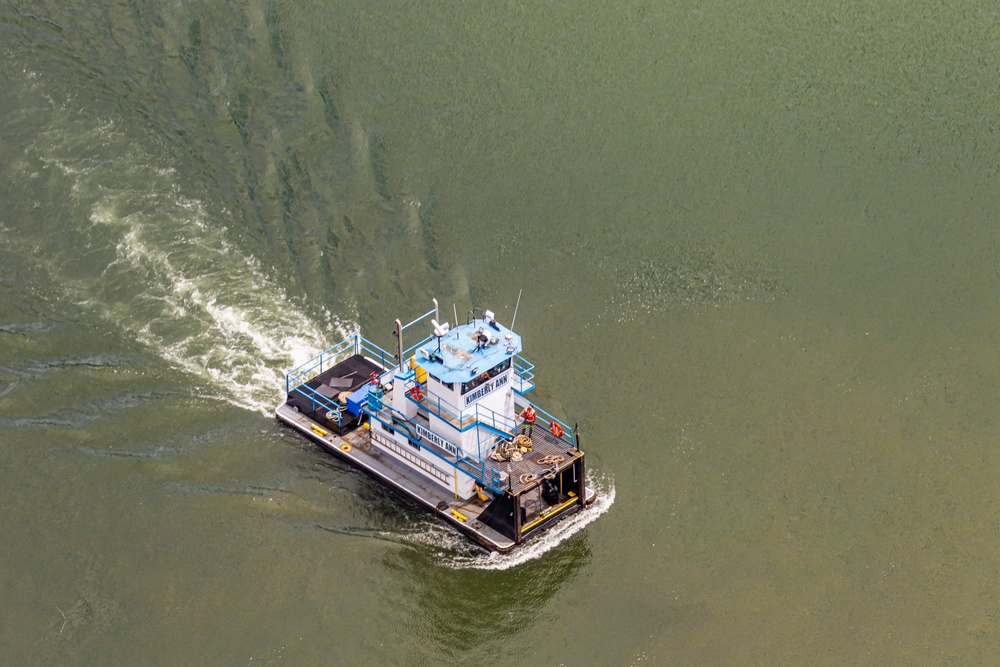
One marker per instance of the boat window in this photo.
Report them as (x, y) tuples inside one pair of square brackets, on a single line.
[(485, 377), (447, 385)]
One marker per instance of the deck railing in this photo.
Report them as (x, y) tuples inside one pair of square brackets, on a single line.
[(386, 360), (461, 420), (300, 375), (353, 344), (470, 463), (524, 374), (544, 420), (496, 423)]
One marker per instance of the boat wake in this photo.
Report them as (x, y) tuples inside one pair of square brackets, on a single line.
[(233, 328), (455, 551), (162, 271), (205, 307)]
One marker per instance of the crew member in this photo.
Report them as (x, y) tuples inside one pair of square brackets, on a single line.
[(528, 415)]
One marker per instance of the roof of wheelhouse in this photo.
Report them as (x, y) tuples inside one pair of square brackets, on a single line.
[(462, 354)]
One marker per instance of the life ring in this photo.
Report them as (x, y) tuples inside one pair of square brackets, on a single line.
[(528, 415), (417, 394), (373, 378), (556, 428), (484, 377)]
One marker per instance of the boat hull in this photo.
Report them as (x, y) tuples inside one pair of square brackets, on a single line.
[(355, 447)]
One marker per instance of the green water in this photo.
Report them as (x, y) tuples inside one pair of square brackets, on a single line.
[(758, 253)]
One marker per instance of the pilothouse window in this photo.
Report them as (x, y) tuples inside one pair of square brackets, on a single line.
[(485, 377), (447, 385)]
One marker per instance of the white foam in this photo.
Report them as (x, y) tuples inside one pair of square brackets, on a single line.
[(184, 291), (455, 550), (176, 282), (240, 332)]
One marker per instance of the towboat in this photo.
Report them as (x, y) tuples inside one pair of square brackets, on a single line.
[(448, 423)]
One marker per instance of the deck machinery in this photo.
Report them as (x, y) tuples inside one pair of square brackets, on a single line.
[(447, 423)]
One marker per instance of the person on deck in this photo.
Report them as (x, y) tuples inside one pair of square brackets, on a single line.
[(528, 416)]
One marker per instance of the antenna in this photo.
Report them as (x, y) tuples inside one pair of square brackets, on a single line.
[(455, 308), (515, 308)]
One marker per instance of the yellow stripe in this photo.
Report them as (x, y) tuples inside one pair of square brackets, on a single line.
[(549, 515)]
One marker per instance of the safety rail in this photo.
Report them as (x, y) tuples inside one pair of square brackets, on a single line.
[(296, 380), (398, 422), (322, 361), (524, 380), (387, 360), (488, 477), (545, 420), (461, 420), (353, 344), (495, 420), (318, 399), (434, 404), (419, 319), (491, 440)]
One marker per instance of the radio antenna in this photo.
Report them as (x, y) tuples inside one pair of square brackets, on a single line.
[(515, 308)]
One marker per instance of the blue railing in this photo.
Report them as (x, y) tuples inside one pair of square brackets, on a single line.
[(353, 344), (449, 413), (324, 360), (524, 374), (386, 359), (419, 319), (317, 399), (476, 464), (495, 420), (296, 379), (544, 420), (523, 380)]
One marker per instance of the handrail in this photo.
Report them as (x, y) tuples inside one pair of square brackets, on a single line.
[(456, 418), (353, 344), (410, 351), (476, 462), (327, 355), (525, 374), (422, 317), (317, 398), (372, 348), (495, 420), (548, 418)]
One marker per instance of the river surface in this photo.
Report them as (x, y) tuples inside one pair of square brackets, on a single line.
[(757, 246)]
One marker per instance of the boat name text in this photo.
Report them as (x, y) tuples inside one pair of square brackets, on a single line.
[(485, 389)]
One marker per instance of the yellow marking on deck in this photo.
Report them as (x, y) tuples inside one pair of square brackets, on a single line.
[(549, 515)]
